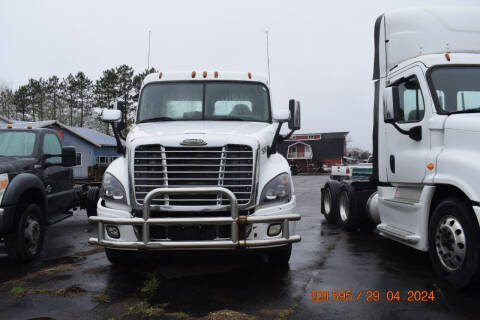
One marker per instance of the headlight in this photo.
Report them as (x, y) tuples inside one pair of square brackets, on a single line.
[(277, 190), (3, 184), (112, 189)]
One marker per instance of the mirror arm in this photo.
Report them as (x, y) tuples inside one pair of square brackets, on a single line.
[(288, 135), (414, 133), (273, 148), (116, 133)]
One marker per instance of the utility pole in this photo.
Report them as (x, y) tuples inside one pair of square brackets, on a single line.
[(268, 59), (148, 56)]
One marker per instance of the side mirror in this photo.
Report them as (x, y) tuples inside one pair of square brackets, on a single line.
[(111, 115), (69, 158), (282, 115), (135, 97), (294, 122), (391, 105)]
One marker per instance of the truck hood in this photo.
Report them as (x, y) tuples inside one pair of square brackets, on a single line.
[(465, 122), (12, 164), (261, 131)]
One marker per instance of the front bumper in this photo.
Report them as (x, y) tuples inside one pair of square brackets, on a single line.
[(7, 219), (143, 242)]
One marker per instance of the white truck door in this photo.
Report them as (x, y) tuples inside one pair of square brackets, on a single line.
[(406, 158)]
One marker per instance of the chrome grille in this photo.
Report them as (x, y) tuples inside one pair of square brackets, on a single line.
[(231, 166)]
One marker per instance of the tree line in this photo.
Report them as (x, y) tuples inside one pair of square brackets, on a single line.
[(72, 100)]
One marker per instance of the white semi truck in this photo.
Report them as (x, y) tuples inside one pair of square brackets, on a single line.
[(425, 187), (200, 170)]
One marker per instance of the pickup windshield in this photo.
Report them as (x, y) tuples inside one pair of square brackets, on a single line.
[(222, 101), (456, 88), (17, 143)]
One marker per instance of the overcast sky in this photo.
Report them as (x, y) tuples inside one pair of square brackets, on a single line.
[(321, 52)]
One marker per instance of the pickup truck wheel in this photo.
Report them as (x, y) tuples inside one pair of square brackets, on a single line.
[(120, 257), (92, 199), (454, 242), (280, 258), (347, 209), (27, 242), (329, 201)]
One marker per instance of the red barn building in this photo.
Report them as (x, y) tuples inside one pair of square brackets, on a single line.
[(309, 151)]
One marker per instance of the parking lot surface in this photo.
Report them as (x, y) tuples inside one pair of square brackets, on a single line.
[(73, 280)]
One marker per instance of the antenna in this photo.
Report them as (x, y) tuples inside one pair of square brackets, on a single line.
[(148, 56), (268, 59)]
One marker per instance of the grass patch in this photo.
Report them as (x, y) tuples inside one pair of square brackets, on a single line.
[(143, 307), (36, 275), (72, 291), (102, 297), (151, 284), (179, 315), (228, 315)]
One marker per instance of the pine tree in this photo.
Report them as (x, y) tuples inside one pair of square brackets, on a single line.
[(21, 101), (53, 97), (83, 93), (70, 94)]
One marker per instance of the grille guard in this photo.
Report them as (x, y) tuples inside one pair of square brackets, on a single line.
[(234, 220)]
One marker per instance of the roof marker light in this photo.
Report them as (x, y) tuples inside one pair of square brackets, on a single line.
[(29, 126), (204, 74), (249, 75), (9, 126), (160, 75), (447, 56), (194, 74), (216, 74)]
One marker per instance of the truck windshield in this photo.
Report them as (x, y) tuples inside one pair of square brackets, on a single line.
[(456, 88), (16, 143), (222, 101)]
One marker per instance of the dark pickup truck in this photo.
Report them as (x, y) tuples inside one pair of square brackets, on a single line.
[(36, 188)]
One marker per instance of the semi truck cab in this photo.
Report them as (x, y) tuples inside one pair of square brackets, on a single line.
[(200, 170), (425, 187)]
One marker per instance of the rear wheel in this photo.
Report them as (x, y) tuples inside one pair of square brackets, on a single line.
[(454, 242), (329, 203), (27, 242), (349, 218), (92, 199)]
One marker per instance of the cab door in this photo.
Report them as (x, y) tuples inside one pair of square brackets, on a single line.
[(58, 179), (406, 158)]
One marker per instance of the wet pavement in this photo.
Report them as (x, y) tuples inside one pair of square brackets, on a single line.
[(73, 280)]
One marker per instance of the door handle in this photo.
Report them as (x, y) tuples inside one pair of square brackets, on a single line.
[(392, 163)]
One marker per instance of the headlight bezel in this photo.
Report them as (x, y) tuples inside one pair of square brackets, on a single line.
[(277, 191), (112, 189)]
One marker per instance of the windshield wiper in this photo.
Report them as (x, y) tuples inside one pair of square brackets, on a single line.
[(156, 119), (228, 119), (474, 110)]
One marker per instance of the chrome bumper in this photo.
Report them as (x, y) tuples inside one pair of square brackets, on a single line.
[(234, 220)]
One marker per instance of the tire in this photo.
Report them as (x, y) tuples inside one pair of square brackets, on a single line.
[(93, 194), (329, 201), (454, 242), (27, 242), (280, 258), (349, 217), (120, 257)]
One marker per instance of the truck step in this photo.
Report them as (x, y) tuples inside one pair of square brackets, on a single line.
[(397, 233), (59, 217)]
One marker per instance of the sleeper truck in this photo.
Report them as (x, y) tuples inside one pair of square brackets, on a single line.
[(424, 190), (200, 170)]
